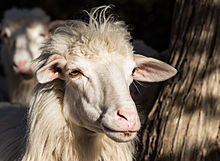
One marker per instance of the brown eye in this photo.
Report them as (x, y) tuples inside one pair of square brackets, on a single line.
[(75, 73)]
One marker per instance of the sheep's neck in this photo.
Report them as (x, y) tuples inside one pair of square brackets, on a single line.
[(87, 144), (20, 90), (98, 147)]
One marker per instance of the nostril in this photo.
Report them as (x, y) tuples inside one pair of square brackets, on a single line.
[(127, 119), (120, 114)]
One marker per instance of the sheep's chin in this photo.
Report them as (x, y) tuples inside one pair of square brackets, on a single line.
[(25, 74), (120, 136)]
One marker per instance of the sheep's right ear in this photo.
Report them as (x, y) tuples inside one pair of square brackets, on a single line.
[(52, 69)]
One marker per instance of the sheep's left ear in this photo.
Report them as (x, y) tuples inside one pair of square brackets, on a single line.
[(52, 69), (152, 70)]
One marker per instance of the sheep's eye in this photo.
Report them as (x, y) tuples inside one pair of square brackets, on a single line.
[(42, 35), (75, 73), (4, 35), (133, 71)]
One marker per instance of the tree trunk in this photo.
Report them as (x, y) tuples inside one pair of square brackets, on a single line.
[(184, 124)]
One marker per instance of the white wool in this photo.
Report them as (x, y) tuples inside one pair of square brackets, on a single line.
[(101, 34), (21, 90)]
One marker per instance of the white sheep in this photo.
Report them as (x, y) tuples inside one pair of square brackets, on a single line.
[(82, 109), (22, 32)]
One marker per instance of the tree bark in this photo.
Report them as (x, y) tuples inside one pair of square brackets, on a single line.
[(184, 124)]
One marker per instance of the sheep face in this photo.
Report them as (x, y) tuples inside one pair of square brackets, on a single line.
[(22, 46), (22, 32), (97, 94), (102, 104)]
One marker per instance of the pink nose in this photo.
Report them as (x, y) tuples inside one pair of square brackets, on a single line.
[(21, 67), (128, 120)]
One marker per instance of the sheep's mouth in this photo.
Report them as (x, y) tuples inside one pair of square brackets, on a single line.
[(119, 131), (24, 73), (119, 136)]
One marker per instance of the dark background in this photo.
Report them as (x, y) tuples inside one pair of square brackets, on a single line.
[(149, 20)]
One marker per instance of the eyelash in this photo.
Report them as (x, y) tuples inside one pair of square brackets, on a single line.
[(75, 73)]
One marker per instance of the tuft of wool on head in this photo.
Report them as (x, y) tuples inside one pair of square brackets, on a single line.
[(101, 34)]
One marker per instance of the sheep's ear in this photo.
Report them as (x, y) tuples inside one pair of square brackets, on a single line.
[(152, 70), (52, 69)]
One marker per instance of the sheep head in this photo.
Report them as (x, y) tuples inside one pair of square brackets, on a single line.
[(22, 33), (97, 93), (97, 64)]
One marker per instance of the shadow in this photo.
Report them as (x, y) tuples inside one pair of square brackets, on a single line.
[(195, 102), (193, 154), (149, 20), (13, 127), (214, 155)]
